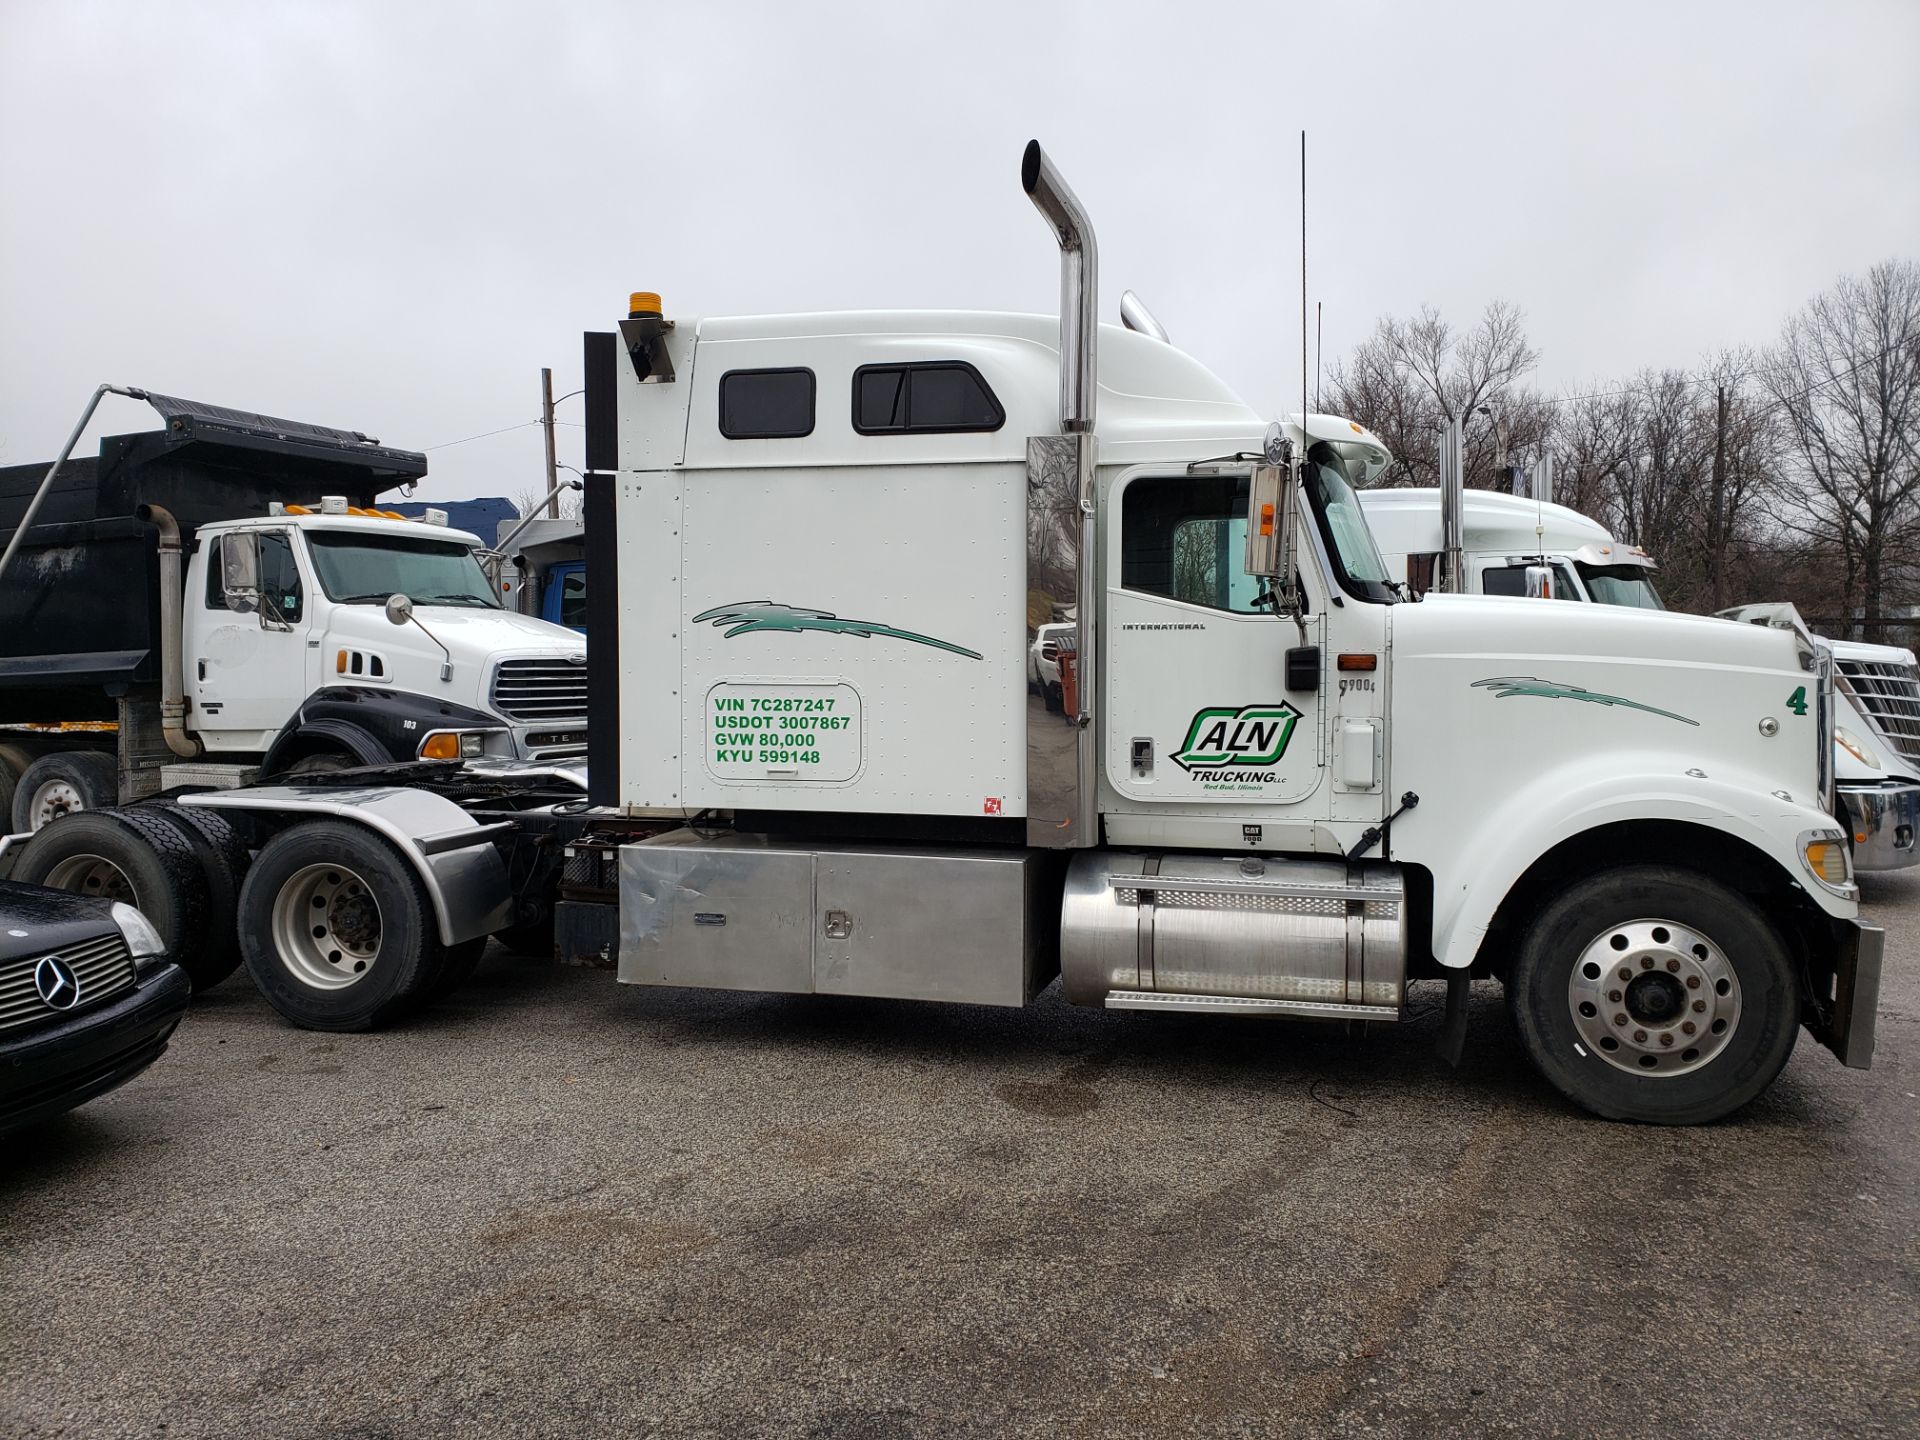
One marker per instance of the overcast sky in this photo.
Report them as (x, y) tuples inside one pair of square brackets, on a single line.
[(389, 216)]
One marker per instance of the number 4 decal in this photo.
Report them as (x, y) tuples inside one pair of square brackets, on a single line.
[(1797, 702)]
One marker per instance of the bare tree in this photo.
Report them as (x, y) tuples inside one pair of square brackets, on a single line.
[(1411, 377), (1846, 380)]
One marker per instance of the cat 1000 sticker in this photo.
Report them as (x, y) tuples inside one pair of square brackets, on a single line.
[(770, 732)]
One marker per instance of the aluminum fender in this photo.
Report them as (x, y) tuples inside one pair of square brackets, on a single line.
[(453, 855), (1475, 867)]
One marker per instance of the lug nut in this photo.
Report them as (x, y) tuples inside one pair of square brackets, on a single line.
[(1693, 982), (1674, 966), (1626, 974), (1619, 1019), (1666, 1039), (1639, 1037), (1614, 996), (1699, 1007), (1687, 1027), (1646, 962)]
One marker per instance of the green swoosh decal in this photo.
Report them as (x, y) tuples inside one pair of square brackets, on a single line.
[(749, 617), (1549, 690)]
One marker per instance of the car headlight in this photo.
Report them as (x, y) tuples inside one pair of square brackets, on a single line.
[(1856, 747), (142, 939)]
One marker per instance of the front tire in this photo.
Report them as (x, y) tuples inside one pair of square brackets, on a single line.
[(1655, 995), (337, 929)]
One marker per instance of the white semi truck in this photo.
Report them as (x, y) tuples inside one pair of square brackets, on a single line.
[(1505, 538), (817, 765), (206, 603)]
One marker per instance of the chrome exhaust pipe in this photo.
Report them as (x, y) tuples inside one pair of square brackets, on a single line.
[(1135, 316), (1079, 285)]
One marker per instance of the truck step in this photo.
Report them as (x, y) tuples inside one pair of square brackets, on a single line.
[(1247, 1005)]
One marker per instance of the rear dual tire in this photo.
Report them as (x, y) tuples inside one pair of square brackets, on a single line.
[(339, 932)]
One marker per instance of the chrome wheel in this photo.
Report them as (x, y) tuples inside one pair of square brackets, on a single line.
[(1653, 997), (53, 799), (326, 926), (92, 875)]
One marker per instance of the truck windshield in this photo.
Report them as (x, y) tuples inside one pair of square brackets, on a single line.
[(359, 568), (1331, 470), (1629, 585)]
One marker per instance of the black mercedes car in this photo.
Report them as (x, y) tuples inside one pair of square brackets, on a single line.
[(88, 999)]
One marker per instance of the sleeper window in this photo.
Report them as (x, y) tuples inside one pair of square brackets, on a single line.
[(938, 398), (766, 404)]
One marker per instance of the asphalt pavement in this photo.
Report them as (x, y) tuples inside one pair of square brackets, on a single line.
[(557, 1206)]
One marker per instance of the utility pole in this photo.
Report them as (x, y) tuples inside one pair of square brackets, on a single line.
[(1716, 528), (546, 423)]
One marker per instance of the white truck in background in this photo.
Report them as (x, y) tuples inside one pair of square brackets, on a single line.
[(1506, 537)]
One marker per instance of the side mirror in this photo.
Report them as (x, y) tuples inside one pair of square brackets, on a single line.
[(1271, 537), (1540, 582), (399, 609), (240, 572)]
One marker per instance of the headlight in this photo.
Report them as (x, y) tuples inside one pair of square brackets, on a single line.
[(453, 745), (142, 939), (1828, 860), (1856, 747)]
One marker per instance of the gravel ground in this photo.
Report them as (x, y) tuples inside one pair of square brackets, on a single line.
[(560, 1207)]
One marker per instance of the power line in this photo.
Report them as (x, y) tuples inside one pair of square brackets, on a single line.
[(484, 434)]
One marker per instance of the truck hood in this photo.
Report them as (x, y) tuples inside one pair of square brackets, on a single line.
[(1533, 683), (464, 629)]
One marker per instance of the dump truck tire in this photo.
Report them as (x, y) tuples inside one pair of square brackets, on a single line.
[(62, 784)]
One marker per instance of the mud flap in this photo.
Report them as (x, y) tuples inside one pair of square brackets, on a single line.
[(1451, 1043)]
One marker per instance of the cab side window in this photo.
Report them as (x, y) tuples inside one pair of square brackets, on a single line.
[(1185, 538), (280, 576)]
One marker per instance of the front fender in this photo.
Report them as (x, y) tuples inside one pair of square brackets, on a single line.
[(1475, 867), (377, 727)]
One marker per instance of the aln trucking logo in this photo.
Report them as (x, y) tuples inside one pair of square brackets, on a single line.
[(1221, 737)]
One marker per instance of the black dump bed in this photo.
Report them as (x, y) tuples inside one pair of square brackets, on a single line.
[(79, 614)]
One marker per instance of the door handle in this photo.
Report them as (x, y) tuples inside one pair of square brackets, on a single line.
[(202, 666)]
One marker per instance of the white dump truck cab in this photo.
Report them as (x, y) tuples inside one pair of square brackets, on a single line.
[(821, 545), (300, 656), (1506, 539)]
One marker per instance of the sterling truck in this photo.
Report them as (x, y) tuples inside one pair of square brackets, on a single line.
[(208, 602), (1876, 734), (1281, 792)]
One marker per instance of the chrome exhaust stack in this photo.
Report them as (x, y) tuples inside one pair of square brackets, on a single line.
[(1079, 285)]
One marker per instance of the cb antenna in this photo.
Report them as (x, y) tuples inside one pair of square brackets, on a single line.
[(1304, 441)]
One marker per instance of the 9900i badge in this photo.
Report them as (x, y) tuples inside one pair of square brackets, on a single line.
[(1221, 737)]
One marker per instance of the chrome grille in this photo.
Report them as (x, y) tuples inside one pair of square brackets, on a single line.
[(1890, 696), (540, 689), (101, 965)]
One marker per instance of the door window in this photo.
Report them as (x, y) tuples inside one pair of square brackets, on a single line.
[(1185, 538), (279, 578)]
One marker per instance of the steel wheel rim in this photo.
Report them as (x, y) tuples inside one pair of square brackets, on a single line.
[(53, 799), (93, 875), (327, 926), (1654, 998)]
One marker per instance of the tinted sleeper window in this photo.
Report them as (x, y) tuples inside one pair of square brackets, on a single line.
[(941, 397), (766, 404)]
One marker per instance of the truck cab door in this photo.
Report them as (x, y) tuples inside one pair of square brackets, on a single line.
[(563, 600), (1198, 710), (248, 673)]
